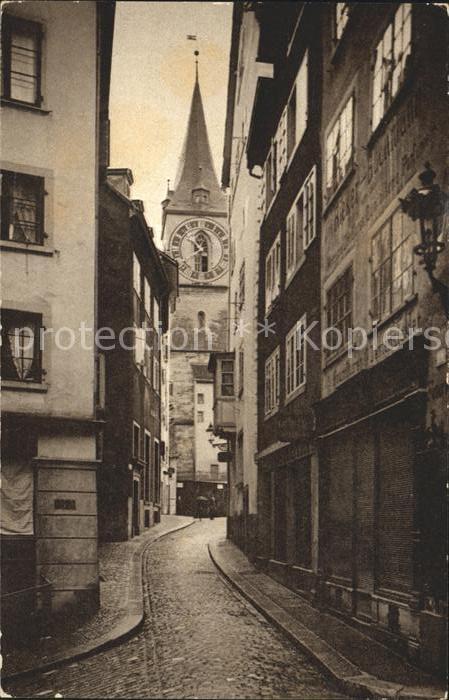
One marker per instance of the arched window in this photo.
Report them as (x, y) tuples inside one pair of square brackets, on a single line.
[(201, 257), (201, 319)]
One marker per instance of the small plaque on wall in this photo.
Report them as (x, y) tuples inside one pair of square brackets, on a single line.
[(65, 504)]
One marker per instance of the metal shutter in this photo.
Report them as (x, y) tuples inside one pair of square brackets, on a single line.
[(303, 512), (339, 515), (364, 465), (395, 517)]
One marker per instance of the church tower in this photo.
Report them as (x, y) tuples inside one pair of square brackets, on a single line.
[(195, 234)]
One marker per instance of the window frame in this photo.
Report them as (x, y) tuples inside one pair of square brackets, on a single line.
[(9, 178), (241, 292), (137, 430), (228, 383), (345, 7), (404, 57), (405, 243), (22, 25), (156, 374), (147, 469), (296, 93), (22, 318), (292, 235), (272, 384), (342, 321), (336, 124), (294, 334), (273, 273)]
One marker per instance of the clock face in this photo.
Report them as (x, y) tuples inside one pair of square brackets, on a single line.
[(201, 249)]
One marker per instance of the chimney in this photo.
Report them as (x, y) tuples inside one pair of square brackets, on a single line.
[(138, 203), (121, 179)]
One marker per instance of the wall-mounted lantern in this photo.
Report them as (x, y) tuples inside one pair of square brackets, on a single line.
[(427, 205)]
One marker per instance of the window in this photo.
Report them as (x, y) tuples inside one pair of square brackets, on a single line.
[(147, 301), (241, 296), (136, 275), (227, 378), (140, 346), (273, 273), (21, 60), (241, 371), (200, 197), (214, 471), (170, 389), (136, 441), (156, 375), (156, 472), (147, 360), (272, 382), (392, 265), (339, 310), (297, 108), (295, 357), (147, 460), (270, 175), (339, 147), (200, 398), (341, 10), (201, 319), (21, 349), (22, 208), (201, 252), (156, 314), (200, 417), (301, 223), (390, 64)]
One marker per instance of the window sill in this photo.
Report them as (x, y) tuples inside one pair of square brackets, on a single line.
[(381, 323), (383, 124), (271, 413), (6, 102), (34, 248), (335, 356), (12, 385), (297, 392), (341, 186), (292, 275)]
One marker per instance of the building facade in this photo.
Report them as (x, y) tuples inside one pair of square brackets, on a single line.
[(351, 351), (382, 528), (195, 234), (49, 249), (244, 222), (142, 284), (286, 147)]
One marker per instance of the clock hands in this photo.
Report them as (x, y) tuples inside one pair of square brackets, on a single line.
[(195, 252)]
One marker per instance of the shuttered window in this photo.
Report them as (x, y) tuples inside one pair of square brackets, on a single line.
[(395, 516), (339, 507)]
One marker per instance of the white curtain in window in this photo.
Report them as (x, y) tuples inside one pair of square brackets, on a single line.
[(16, 497)]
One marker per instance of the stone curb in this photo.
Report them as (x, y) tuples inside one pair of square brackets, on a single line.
[(358, 685), (129, 624)]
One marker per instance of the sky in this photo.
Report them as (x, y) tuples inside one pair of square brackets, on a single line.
[(153, 73)]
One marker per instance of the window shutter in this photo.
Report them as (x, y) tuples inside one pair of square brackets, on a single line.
[(262, 191), (302, 99), (281, 139), (6, 203), (40, 231)]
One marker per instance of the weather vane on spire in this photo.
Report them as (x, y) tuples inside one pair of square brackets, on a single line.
[(192, 37), (196, 53)]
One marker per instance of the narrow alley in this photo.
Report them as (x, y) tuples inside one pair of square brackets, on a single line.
[(200, 639)]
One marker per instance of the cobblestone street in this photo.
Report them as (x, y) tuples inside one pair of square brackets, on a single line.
[(200, 639)]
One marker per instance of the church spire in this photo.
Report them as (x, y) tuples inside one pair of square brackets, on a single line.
[(196, 173)]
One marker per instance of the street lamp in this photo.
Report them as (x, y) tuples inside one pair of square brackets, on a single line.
[(427, 204)]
